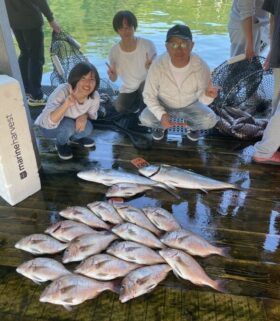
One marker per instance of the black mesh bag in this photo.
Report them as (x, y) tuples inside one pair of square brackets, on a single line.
[(65, 54)]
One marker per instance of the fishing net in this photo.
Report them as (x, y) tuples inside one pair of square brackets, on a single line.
[(244, 100), (65, 54)]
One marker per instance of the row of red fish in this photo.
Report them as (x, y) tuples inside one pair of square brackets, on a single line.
[(146, 244)]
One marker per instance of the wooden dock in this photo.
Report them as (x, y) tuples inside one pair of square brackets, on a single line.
[(247, 221)]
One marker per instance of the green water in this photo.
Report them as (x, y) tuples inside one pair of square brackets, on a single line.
[(90, 23)]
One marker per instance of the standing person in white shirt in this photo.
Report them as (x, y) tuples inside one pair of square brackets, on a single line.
[(179, 85), (247, 21), (129, 60)]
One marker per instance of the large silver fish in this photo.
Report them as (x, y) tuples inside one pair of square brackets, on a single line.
[(105, 267), (136, 216), (134, 252), (132, 232), (84, 215), (42, 269), (127, 190), (86, 245), (178, 177), (74, 289), (40, 244), (192, 243), (142, 280), (187, 268), (161, 218), (110, 177), (106, 212), (67, 230)]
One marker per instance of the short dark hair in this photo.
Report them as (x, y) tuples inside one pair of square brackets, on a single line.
[(126, 15), (80, 70)]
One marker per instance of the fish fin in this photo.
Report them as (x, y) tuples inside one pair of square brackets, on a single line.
[(177, 272), (150, 287), (100, 264), (143, 280), (37, 282), (171, 191), (84, 248), (68, 307), (132, 248), (67, 288), (131, 232), (131, 258), (36, 241)]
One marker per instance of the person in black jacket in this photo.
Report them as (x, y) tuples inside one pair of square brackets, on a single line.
[(26, 21)]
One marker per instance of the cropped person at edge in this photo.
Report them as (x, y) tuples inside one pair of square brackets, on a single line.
[(26, 21)]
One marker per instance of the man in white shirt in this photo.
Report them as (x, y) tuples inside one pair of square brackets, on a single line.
[(178, 85)]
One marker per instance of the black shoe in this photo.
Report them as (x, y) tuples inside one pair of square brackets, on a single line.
[(85, 141), (64, 151), (158, 133), (193, 135)]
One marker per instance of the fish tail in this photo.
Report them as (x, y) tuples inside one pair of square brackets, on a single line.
[(116, 286), (225, 251), (220, 285)]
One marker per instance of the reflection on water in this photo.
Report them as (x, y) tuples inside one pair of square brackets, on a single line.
[(90, 22), (272, 240)]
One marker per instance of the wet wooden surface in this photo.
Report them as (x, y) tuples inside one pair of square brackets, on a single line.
[(247, 221)]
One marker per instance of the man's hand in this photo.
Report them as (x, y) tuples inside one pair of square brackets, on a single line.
[(211, 90), (165, 121), (55, 26), (266, 64), (149, 61), (249, 52), (111, 71)]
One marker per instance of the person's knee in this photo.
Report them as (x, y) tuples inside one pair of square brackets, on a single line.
[(210, 121)]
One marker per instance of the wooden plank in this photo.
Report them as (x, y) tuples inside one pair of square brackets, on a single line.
[(155, 308), (256, 309), (173, 304), (272, 309), (190, 305), (241, 310), (207, 308), (223, 304)]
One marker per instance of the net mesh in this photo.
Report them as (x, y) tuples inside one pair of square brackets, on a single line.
[(244, 100), (65, 54)]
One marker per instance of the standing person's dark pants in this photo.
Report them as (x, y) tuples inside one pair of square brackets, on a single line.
[(31, 59)]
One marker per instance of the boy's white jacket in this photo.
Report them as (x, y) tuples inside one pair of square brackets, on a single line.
[(161, 89)]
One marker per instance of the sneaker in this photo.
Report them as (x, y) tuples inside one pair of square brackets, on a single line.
[(273, 160), (64, 151), (85, 141), (158, 133), (193, 135), (36, 102)]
